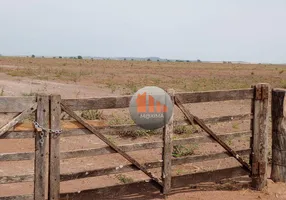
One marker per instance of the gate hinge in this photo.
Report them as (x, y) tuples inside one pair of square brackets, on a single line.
[(258, 168)]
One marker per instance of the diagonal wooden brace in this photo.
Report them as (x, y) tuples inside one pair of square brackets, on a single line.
[(112, 145), (17, 119), (191, 118)]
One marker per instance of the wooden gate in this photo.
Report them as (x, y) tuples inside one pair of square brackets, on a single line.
[(49, 110)]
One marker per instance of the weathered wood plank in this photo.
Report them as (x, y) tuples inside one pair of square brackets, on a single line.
[(18, 135), (167, 150), (113, 192), (125, 168), (260, 136), (65, 124), (278, 172), (112, 145), (17, 119), (19, 197), (211, 176), (219, 95), (126, 148), (150, 165), (74, 128), (206, 139), (16, 104), (40, 148), (201, 158), (190, 97), (16, 179), (192, 118), (17, 156), (98, 103), (54, 148)]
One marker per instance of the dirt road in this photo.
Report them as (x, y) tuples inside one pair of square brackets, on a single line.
[(15, 86)]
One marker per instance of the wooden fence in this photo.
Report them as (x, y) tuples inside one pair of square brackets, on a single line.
[(278, 172), (48, 110)]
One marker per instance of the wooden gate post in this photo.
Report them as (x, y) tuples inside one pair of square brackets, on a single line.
[(167, 151), (278, 173), (54, 147), (260, 135), (40, 163)]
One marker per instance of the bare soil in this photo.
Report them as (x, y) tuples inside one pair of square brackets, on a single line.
[(86, 78)]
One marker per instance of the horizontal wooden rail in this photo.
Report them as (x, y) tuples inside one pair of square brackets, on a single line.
[(17, 119), (73, 128), (188, 97), (151, 165), (177, 182), (16, 179), (220, 119), (124, 168), (126, 148), (216, 95), (135, 187), (16, 104), (19, 197)]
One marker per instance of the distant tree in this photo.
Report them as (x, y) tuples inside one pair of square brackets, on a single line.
[(33, 56), (60, 57), (54, 57), (132, 59), (199, 60), (148, 59), (43, 56), (158, 60), (79, 57), (187, 61), (124, 58)]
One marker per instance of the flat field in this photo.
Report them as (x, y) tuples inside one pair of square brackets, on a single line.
[(125, 77), (75, 78)]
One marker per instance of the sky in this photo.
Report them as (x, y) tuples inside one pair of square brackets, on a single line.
[(209, 30)]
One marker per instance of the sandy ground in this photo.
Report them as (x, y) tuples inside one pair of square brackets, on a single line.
[(14, 86)]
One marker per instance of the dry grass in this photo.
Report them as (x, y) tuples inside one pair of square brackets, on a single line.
[(128, 76), (184, 150), (92, 115)]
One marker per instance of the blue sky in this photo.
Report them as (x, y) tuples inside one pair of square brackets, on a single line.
[(236, 30)]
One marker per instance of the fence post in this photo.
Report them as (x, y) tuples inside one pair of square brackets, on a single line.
[(260, 135), (167, 150), (40, 163), (278, 172), (54, 148)]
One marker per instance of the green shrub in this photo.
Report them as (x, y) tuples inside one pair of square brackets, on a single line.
[(181, 151)]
